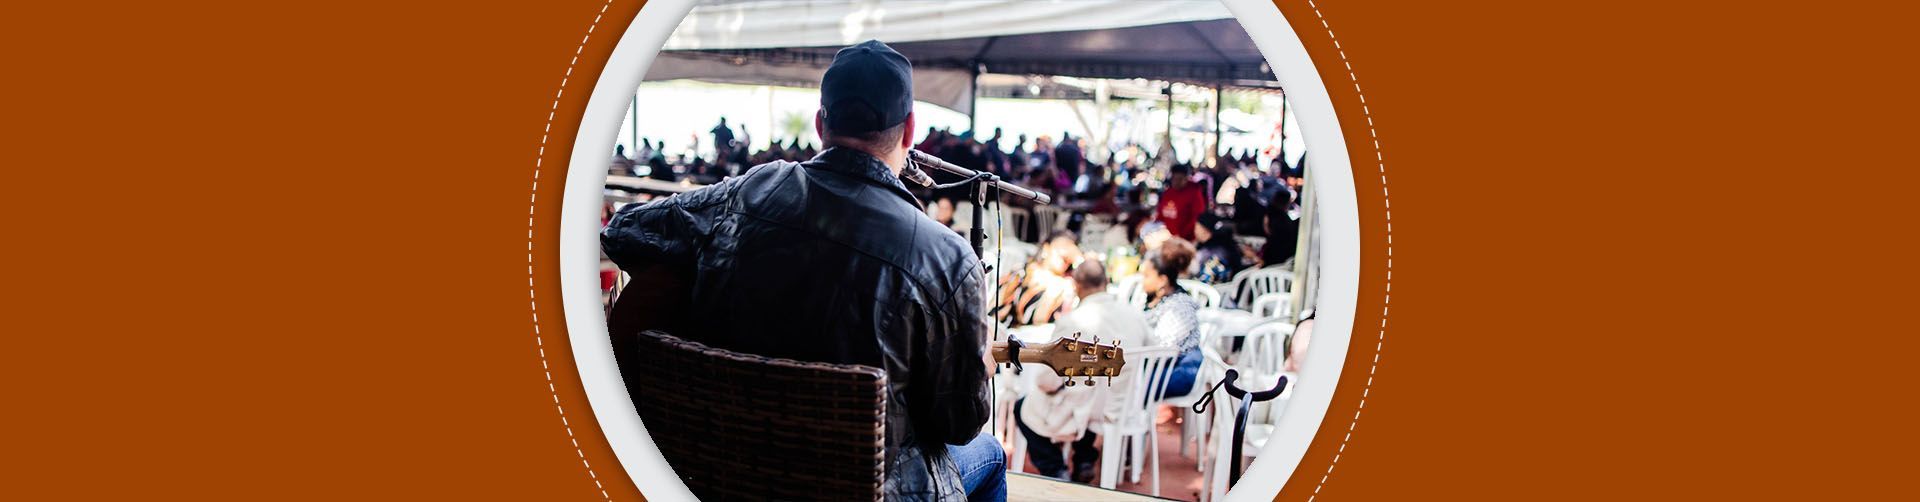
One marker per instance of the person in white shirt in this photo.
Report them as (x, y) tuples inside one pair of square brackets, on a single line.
[(1057, 413)]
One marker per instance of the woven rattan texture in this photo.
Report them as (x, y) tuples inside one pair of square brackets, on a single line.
[(743, 427)]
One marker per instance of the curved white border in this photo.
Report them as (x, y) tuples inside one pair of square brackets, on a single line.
[(580, 244), (580, 251), (1334, 198)]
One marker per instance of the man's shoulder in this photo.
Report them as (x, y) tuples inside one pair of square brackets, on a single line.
[(938, 247), (876, 224)]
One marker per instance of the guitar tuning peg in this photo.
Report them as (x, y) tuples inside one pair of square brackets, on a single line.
[(1114, 350), (1089, 381), (1069, 382), (1091, 346)]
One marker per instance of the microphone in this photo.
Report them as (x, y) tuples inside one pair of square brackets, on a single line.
[(927, 160), (911, 172)]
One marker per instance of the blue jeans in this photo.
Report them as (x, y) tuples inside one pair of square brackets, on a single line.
[(983, 468), (1180, 383)]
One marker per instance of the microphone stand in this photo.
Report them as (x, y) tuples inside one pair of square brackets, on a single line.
[(979, 185), (977, 236), (977, 188), (981, 180)]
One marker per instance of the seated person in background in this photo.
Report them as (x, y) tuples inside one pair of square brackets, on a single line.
[(1218, 256), (621, 166), (943, 212), (1116, 236), (1042, 290), (1283, 230), (1173, 314), (1153, 234), (659, 168), (698, 171), (1062, 414)]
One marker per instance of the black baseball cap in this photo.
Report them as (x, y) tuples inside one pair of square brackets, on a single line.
[(869, 87)]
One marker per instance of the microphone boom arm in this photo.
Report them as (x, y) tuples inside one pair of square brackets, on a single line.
[(927, 161)]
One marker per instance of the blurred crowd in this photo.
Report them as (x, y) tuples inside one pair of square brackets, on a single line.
[(1216, 205)]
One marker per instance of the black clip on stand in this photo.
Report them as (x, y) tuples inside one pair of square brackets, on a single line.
[(978, 185), (1240, 416)]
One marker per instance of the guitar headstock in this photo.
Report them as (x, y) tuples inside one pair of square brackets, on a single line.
[(1073, 357)]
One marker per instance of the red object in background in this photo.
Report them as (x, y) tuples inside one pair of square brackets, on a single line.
[(607, 275), (1180, 209)]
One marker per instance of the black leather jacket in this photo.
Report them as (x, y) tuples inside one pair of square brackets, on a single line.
[(832, 260)]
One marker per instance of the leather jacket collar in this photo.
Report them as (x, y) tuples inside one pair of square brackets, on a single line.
[(861, 165)]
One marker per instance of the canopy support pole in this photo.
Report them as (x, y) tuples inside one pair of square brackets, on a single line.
[(1168, 90), (1282, 156), (773, 123), (973, 98), (1219, 101), (1306, 262)]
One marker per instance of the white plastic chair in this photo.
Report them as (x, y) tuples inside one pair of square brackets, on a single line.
[(1264, 353), (1272, 305), (963, 216), (1217, 326), (1192, 429), (1094, 226), (1149, 368), (1128, 290), (1016, 220), (1264, 422), (1263, 362), (1251, 284), (1219, 454), (1218, 323), (1208, 296), (963, 220), (1011, 386), (1044, 218), (1022, 385), (1035, 333), (1015, 257)]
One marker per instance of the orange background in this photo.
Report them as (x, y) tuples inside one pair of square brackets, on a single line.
[(278, 250)]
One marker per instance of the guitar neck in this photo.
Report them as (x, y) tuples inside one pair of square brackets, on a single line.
[(1070, 357), (1028, 354)]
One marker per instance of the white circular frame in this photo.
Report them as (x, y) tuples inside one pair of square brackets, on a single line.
[(580, 249)]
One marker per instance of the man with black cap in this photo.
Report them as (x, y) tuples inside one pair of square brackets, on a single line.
[(833, 260)]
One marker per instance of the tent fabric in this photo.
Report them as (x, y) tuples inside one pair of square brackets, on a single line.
[(770, 24), (791, 42), (948, 88)]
